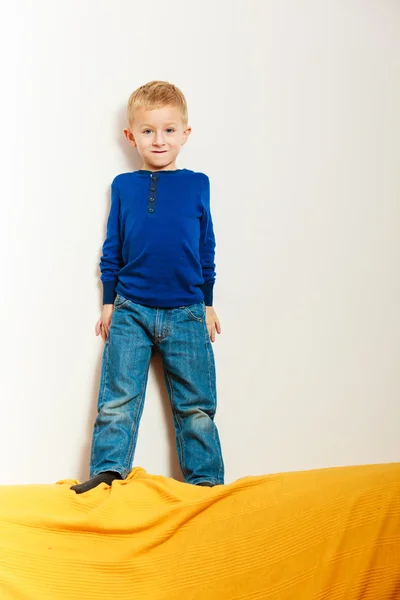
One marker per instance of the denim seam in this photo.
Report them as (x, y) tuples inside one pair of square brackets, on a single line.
[(138, 408), (212, 392), (122, 304), (104, 386), (156, 327), (178, 421), (193, 315), (209, 366), (163, 335)]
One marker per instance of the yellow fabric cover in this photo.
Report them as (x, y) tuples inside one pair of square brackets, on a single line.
[(318, 535)]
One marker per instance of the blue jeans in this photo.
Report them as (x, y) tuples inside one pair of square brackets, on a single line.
[(181, 336)]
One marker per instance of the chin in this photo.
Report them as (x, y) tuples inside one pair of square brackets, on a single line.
[(161, 162)]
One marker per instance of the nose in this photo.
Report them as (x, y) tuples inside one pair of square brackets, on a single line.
[(159, 139)]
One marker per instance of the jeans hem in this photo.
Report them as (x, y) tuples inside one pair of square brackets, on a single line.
[(120, 470), (211, 481)]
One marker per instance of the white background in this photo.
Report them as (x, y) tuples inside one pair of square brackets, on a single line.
[(295, 113)]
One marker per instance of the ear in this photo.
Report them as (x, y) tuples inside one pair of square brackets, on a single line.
[(130, 137), (185, 135)]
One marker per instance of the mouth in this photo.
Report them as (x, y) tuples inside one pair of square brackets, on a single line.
[(158, 151)]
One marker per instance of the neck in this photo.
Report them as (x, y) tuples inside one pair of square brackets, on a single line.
[(149, 167)]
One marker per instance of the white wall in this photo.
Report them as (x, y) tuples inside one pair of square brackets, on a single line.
[(295, 114)]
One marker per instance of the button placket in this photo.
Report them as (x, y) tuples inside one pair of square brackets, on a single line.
[(151, 204)]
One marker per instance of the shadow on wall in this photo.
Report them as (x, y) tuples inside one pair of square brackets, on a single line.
[(130, 154), (133, 162)]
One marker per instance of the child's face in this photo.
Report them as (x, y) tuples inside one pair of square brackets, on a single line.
[(158, 135)]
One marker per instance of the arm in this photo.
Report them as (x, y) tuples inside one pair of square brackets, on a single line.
[(207, 258), (111, 260), (207, 245)]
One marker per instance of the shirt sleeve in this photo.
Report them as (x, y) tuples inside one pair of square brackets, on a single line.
[(111, 259), (207, 245)]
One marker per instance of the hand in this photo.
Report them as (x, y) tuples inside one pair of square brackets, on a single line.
[(103, 324), (213, 324)]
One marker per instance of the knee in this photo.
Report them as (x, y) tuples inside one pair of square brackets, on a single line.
[(199, 419)]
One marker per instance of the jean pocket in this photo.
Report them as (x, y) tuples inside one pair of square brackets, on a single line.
[(120, 302), (195, 311)]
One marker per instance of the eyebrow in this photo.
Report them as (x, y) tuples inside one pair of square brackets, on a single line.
[(148, 125)]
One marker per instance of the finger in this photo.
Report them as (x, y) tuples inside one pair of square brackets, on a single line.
[(218, 326), (213, 334), (98, 327)]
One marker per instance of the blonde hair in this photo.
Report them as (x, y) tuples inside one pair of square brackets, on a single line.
[(157, 94)]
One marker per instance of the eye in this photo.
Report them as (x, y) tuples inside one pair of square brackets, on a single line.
[(170, 130), (147, 131)]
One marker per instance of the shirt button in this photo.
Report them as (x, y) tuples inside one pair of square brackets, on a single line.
[(152, 189), (151, 210), (152, 199)]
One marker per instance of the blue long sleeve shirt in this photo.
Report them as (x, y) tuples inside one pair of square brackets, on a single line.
[(159, 249)]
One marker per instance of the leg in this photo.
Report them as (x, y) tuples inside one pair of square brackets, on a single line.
[(189, 370), (125, 367)]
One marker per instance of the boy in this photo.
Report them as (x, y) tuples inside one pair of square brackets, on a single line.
[(158, 272)]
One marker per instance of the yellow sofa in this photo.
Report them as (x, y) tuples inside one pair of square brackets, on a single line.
[(328, 534)]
